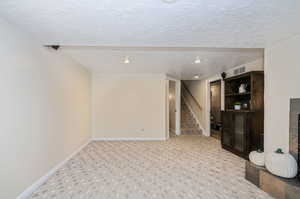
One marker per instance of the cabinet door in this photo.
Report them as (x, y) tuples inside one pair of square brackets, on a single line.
[(241, 133), (227, 129), (239, 136)]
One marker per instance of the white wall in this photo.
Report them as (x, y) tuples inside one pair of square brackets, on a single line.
[(282, 80), (129, 107), (45, 110), (200, 89)]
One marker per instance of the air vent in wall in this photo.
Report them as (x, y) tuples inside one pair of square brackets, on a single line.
[(239, 70)]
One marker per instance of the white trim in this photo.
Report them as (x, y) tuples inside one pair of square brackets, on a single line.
[(178, 108), (25, 194), (195, 117), (167, 108), (129, 139)]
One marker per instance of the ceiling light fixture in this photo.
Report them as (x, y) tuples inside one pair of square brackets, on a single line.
[(196, 76), (197, 60), (126, 60), (169, 1)]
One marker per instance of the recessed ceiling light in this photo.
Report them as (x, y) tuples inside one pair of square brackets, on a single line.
[(169, 1), (197, 60), (126, 60), (196, 76)]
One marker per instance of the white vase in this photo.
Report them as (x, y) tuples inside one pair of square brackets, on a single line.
[(257, 158), (242, 88), (281, 164), (237, 107)]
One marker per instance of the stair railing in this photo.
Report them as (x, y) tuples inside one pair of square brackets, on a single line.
[(189, 96), (191, 101)]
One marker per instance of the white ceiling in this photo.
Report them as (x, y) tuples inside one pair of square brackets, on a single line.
[(185, 23), (176, 62), (159, 37)]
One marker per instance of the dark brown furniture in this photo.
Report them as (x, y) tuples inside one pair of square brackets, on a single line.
[(242, 130), (215, 109)]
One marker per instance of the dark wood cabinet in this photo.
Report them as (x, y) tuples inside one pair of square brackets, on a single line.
[(236, 132), (242, 130)]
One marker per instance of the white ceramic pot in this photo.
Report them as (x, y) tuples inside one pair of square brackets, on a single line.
[(237, 107), (281, 164), (257, 158)]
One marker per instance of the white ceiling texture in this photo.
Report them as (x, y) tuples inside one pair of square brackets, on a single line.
[(158, 37)]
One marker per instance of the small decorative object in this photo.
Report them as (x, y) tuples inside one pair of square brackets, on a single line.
[(245, 105), (223, 75), (257, 157), (281, 164), (242, 88), (237, 106)]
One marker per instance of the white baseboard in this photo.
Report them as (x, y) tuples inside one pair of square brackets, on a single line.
[(129, 139), (25, 194)]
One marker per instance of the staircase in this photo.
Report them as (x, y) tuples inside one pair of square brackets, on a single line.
[(189, 125)]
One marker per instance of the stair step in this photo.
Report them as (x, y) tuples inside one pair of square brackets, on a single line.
[(188, 122), (189, 126), (191, 132)]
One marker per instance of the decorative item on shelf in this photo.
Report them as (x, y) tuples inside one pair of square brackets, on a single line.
[(281, 164), (245, 105), (242, 88), (257, 157), (223, 75), (237, 105)]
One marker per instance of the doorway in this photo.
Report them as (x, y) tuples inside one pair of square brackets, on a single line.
[(172, 108), (215, 109)]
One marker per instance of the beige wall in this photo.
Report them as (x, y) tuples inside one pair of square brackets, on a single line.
[(129, 107), (282, 80), (45, 110)]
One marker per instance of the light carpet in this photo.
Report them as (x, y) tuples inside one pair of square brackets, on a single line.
[(181, 167)]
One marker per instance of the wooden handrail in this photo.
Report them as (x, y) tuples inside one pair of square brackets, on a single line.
[(194, 99)]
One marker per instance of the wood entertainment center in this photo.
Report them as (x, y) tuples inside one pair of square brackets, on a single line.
[(243, 129)]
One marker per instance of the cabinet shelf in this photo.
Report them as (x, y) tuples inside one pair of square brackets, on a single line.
[(238, 94), (239, 111)]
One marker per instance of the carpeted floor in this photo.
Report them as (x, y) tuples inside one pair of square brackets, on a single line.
[(182, 167)]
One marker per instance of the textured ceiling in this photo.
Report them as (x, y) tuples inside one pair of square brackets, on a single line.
[(176, 62), (185, 23)]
